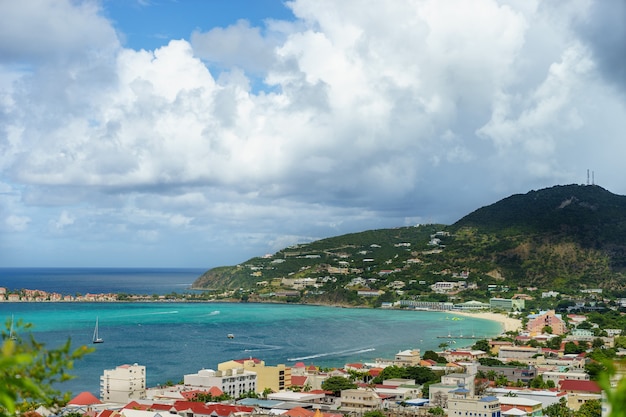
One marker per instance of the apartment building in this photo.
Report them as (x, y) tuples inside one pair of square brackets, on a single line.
[(124, 383)]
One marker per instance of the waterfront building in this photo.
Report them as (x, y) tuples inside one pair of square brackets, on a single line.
[(409, 357), (506, 304), (234, 382), (124, 383), (277, 378)]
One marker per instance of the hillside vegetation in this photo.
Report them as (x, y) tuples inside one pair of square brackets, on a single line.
[(564, 238)]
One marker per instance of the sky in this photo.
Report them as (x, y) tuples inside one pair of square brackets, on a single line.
[(199, 133)]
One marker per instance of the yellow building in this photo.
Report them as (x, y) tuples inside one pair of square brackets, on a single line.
[(276, 378)]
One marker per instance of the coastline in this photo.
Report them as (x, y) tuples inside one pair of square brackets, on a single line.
[(509, 324)]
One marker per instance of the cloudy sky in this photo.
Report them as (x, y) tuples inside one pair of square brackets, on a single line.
[(201, 133)]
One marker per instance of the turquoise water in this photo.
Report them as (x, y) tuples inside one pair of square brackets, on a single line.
[(173, 339)]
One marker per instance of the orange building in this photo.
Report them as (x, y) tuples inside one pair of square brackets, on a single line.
[(536, 323)]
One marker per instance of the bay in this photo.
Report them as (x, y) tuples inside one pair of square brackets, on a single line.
[(174, 339)]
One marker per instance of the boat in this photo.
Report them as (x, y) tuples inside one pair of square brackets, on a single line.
[(231, 336), (96, 336)]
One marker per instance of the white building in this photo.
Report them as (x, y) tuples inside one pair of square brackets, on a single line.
[(124, 383), (234, 382)]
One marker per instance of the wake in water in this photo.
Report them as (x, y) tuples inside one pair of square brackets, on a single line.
[(341, 353), (214, 313)]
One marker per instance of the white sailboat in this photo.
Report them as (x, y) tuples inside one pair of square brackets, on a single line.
[(96, 336)]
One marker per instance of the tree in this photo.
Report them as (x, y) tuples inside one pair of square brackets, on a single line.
[(374, 413), (483, 345), (430, 355), (559, 409), (591, 408), (597, 343), (336, 384), (28, 371), (554, 342), (546, 329)]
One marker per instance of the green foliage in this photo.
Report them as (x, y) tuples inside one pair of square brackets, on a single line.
[(29, 371), (336, 384), (591, 408), (483, 345), (559, 409), (436, 411), (374, 413), (490, 362), (615, 393), (563, 238)]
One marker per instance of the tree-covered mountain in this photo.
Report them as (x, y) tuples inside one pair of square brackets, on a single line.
[(565, 238)]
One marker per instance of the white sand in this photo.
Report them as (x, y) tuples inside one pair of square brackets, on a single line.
[(509, 324)]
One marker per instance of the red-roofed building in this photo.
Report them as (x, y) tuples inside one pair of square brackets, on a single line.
[(84, 398), (193, 409), (299, 380), (579, 392)]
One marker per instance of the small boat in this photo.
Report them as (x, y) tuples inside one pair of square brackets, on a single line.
[(96, 336), (231, 336)]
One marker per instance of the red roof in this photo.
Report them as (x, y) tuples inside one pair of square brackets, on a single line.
[(355, 365), (584, 386), (298, 380), (84, 398)]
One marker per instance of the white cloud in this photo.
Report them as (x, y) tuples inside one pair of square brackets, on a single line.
[(17, 223), (369, 115)]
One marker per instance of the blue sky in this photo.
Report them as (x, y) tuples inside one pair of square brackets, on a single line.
[(202, 133)]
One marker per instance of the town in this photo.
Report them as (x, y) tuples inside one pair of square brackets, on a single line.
[(551, 362)]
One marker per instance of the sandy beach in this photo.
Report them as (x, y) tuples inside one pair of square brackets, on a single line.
[(509, 324)]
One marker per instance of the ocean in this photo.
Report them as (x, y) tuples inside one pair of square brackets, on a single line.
[(174, 339)]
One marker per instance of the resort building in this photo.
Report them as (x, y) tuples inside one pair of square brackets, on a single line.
[(234, 382), (537, 323), (277, 378), (124, 383), (506, 304)]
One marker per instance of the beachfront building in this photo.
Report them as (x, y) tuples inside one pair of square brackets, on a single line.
[(234, 382), (537, 322), (277, 378), (124, 383), (506, 304)]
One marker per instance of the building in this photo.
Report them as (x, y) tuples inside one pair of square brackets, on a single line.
[(517, 352), (526, 405), (124, 383), (579, 392), (461, 402), (511, 373), (360, 400), (537, 322), (506, 304), (409, 357), (234, 382), (276, 378)]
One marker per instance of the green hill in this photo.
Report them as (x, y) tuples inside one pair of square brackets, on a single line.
[(564, 238)]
